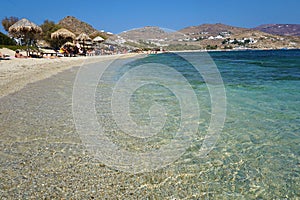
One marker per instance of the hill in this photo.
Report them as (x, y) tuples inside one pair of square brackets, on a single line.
[(147, 37), (221, 36), (211, 29), (205, 36), (76, 26), (280, 29)]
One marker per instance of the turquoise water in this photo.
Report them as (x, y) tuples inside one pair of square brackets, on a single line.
[(257, 154)]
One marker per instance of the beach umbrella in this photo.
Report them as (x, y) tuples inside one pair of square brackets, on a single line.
[(25, 29), (98, 39), (83, 38), (24, 26), (69, 44), (62, 34)]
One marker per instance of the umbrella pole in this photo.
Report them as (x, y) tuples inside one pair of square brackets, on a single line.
[(27, 44), (83, 47)]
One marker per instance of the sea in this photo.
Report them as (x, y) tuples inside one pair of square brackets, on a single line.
[(250, 98), (186, 125)]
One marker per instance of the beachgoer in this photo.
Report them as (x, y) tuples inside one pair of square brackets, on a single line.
[(19, 55), (4, 56), (62, 50)]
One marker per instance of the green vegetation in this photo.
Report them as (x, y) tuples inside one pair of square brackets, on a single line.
[(7, 22), (49, 27), (228, 47), (181, 47), (142, 45), (247, 41), (208, 47), (5, 40), (17, 47), (226, 41)]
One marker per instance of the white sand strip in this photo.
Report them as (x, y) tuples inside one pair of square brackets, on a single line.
[(18, 72)]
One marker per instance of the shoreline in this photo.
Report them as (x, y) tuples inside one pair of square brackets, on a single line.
[(230, 50), (16, 73)]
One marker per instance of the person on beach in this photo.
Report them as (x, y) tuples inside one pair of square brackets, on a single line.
[(19, 55), (4, 56)]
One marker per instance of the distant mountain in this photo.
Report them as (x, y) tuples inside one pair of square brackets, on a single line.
[(150, 33), (280, 29), (76, 26), (205, 36), (144, 33), (146, 37), (211, 29)]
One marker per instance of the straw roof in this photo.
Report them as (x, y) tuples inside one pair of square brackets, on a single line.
[(83, 36), (88, 43), (98, 39), (63, 33), (69, 44), (24, 26)]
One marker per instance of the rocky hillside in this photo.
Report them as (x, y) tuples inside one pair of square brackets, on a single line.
[(145, 33), (147, 37), (280, 29), (212, 29), (76, 26), (206, 36)]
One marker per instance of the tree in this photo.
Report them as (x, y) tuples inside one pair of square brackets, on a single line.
[(5, 40), (225, 41), (247, 41), (7, 22), (49, 27)]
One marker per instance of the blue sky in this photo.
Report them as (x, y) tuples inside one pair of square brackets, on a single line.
[(120, 15)]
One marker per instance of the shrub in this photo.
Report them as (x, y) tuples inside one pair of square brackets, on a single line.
[(5, 40)]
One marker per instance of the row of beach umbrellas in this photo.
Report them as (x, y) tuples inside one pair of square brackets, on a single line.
[(64, 33), (28, 30)]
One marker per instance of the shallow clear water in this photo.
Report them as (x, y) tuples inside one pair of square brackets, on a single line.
[(257, 154)]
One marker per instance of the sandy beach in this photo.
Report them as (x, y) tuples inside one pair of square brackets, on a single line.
[(16, 73), (41, 154)]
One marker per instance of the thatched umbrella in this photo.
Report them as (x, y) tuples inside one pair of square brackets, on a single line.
[(98, 39), (83, 38), (26, 29), (63, 33), (62, 36), (69, 44)]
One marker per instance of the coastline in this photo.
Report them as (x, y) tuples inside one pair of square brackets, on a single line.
[(230, 50), (15, 74)]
